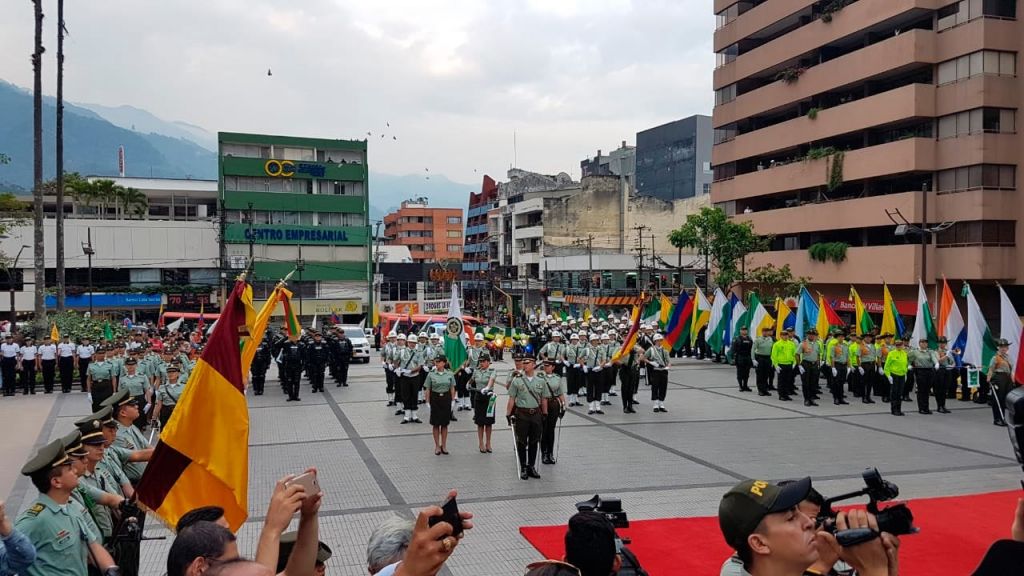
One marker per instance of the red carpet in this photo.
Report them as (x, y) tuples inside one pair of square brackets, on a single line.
[(955, 533)]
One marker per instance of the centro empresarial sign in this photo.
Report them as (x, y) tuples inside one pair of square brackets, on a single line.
[(287, 169)]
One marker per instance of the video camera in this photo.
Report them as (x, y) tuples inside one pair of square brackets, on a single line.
[(896, 519), (611, 508)]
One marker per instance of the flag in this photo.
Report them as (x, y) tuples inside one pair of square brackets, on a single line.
[(631, 336), (455, 332), (827, 317), (586, 315), (652, 311), (701, 315), (951, 323), (54, 333), (758, 314), (924, 327), (680, 317), (313, 324), (601, 314), (740, 317), (892, 322), (176, 325), (665, 312), (1010, 328), (806, 313), (202, 457), (256, 324), (108, 332), (718, 322), (784, 318), (981, 346), (861, 319), (202, 321), (730, 322), (335, 320), (291, 322), (376, 315), (160, 316)]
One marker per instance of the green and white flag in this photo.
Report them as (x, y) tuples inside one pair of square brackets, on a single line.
[(924, 327), (981, 345), (455, 332), (718, 323)]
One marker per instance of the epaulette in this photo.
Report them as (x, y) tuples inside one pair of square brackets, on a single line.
[(35, 509)]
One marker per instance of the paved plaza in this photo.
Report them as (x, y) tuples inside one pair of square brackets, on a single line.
[(660, 465)]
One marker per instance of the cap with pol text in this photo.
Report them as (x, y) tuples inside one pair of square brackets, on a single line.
[(743, 507)]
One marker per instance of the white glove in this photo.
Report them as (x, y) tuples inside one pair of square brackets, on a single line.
[(469, 370), (890, 379), (861, 370), (936, 365), (586, 369), (148, 406), (801, 368), (577, 366), (755, 363), (835, 372), (655, 364), (401, 372), (597, 368)]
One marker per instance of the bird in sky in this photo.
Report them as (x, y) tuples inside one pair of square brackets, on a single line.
[(269, 73)]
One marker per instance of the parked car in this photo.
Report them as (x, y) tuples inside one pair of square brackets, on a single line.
[(360, 343)]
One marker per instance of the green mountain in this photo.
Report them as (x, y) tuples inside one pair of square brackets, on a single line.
[(90, 145)]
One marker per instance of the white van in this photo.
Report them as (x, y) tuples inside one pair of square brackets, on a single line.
[(360, 343)]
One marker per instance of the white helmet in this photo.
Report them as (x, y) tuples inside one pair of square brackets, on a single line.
[(606, 336), (423, 334), (595, 336), (658, 337), (434, 336), (478, 338), (574, 336), (392, 335), (401, 337), (412, 338), (556, 334)]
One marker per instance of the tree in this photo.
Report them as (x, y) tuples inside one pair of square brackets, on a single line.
[(771, 282), (134, 202), (60, 155), (37, 190), (720, 240)]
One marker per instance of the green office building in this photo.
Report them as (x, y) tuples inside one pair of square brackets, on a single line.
[(299, 203)]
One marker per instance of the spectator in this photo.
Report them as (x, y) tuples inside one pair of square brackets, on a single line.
[(16, 551), (239, 567), (430, 546), (213, 514), (388, 544), (590, 545), (199, 547), (551, 568), (1005, 556), (287, 499), (288, 539)]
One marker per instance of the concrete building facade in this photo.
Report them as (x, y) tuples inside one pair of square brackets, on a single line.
[(830, 117), (432, 234), (673, 161)]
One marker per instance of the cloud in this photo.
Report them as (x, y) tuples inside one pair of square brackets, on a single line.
[(455, 79)]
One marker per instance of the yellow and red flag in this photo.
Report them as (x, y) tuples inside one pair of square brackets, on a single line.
[(291, 322), (631, 337), (202, 457)]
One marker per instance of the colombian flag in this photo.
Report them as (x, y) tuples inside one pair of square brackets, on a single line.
[(202, 457)]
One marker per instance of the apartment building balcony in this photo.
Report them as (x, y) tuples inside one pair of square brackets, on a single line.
[(899, 264), (996, 263), (911, 101), (856, 18), (526, 232), (908, 155), (760, 20)]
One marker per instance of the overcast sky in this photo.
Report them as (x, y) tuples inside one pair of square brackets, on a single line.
[(454, 78)]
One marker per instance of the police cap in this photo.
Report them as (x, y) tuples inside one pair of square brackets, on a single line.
[(118, 399), (73, 446), (105, 416), (47, 458), (91, 430), (131, 361)]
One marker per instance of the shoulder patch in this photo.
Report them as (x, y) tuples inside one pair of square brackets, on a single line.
[(35, 509)]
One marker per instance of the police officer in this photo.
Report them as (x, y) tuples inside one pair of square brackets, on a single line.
[(945, 378), (408, 368), (592, 362), (481, 383), (344, 357), (83, 357), (387, 358), (925, 362), (260, 364), (554, 394), (66, 363), (100, 379), (47, 363), (839, 358), (59, 533), (99, 486), (138, 387), (1001, 377), (525, 412), (9, 354), (742, 349), (125, 410), (29, 355), (315, 359), (808, 358), (289, 352), (168, 394), (554, 351), (763, 360), (896, 365), (629, 373), (657, 362), (869, 365)]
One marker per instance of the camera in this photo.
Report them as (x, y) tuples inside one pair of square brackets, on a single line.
[(896, 519), (611, 509)]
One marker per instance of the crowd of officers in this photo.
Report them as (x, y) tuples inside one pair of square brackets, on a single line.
[(312, 352), (866, 366)]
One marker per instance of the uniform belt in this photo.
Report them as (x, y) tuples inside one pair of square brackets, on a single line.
[(528, 411), (840, 364)]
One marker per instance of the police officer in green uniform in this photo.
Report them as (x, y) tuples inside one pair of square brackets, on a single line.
[(138, 387), (101, 381), (763, 360), (481, 386), (809, 355), (1001, 377), (839, 358), (440, 389), (64, 543), (924, 362), (99, 486), (554, 393), (125, 411), (80, 499), (525, 413), (167, 395), (945, 378), (869, 365)]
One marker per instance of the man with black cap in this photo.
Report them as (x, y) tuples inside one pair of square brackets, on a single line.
[(773, 537), (525, 412), (59, 533), (101, 381), (115, 458), (316, 356), (9, 354), (287, 544), (260, 364), (125, 410), (83, 357), (289, 351)]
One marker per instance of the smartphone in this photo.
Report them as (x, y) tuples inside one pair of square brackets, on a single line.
[(449, 514), (308, 481)]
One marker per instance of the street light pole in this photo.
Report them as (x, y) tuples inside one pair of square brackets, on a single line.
[(89, 251), (10, 281), (300, 265)]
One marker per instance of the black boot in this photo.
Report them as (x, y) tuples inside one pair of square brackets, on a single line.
[(532, 472), (524, 474)]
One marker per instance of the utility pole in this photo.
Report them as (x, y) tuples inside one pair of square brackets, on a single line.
[(640, 256), (300, 265), (589, 242), (89, 251), (376, 268), (60, 156), (252, 239)]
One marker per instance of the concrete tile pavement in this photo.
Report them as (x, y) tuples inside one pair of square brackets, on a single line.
[(661, 465)]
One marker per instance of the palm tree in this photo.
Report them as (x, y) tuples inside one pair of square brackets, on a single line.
[(37, 192), (105, 192), (60, 155), (135, 202)]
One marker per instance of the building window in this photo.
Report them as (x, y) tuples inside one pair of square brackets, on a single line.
[(455, 219), (256, 184), (725, 95), (173, 277), (725, 133), (300, 154), (707, 188), (454, 233), (977, 121), (454, 247), (979, 232), (727, 55), (731, 13), (724, 172), (967, 10), (245, 150), (427, 248), (992, 176), (981, 62)]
